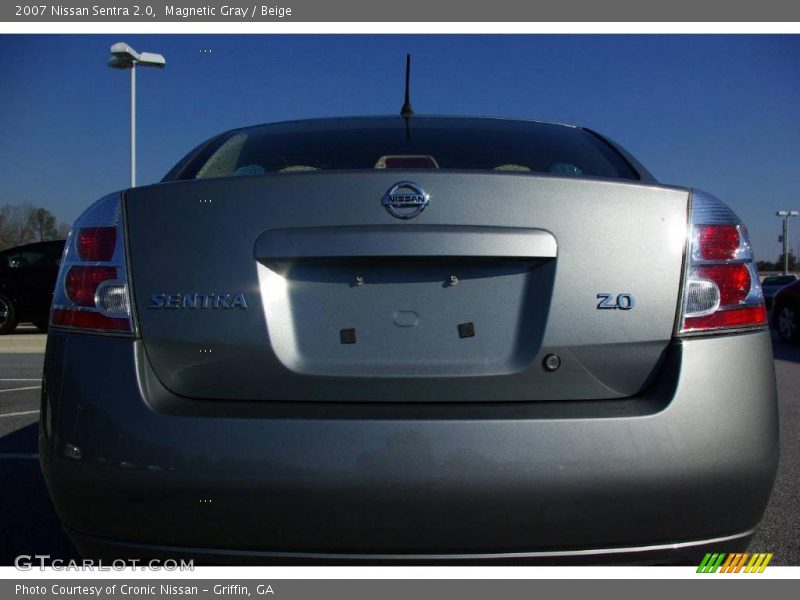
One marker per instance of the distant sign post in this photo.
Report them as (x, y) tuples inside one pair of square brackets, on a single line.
[(785, 214)]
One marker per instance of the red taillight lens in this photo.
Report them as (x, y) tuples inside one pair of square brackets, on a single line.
[(89, 320), (733, 281), (717, 242), (81, 283), (737, 317), (96, 244)]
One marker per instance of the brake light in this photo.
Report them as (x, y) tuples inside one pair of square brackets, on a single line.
[(407, 161), (96, 243), (92, 287), (717, 242), (733, 281), (82, 283), (721, 289), (87, 320)]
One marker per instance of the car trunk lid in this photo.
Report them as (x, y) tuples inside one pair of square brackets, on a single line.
[(302, 287)]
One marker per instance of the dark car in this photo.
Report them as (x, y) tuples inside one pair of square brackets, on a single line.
[(434, 338), (27, 280), (773, 284), (786, 313)]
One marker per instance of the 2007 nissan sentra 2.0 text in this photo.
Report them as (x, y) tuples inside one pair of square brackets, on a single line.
[(409, 339)]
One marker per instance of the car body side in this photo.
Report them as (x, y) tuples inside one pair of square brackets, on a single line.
[(785, 315)]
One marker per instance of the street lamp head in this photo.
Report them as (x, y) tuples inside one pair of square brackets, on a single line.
[(125, 57), (124, 51), (787, 213), (151, 59)]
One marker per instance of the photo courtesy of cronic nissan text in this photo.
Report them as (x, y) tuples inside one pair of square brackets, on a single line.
[(502, 301)]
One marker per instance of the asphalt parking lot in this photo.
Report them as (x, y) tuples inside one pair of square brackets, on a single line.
[(28, 524)]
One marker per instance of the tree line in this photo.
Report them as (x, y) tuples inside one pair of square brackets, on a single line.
[(765, 265), (25, 223)]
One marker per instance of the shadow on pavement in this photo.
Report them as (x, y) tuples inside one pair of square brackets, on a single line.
[(28, 523), (21, 441)]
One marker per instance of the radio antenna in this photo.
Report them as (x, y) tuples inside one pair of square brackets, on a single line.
[(407, 111)]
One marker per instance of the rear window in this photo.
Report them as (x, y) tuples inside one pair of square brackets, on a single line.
[(36, 257), (420, 143)]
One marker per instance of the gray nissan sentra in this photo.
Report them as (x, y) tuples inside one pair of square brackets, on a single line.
[(409, 339)]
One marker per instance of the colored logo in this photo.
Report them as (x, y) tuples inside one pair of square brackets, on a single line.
[(734, 563)]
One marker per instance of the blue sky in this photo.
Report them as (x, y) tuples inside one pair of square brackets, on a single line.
[(721, 113)]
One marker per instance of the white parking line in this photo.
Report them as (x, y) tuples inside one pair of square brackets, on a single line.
[(18, 379), (24, 456), (35, 387), (19, 414)]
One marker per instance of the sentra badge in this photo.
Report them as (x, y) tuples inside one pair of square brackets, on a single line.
[(196, 300)]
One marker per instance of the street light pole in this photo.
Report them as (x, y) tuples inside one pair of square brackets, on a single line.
[(133, 124), (125, 57), (785, 214)]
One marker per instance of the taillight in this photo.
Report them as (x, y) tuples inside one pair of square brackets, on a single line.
[(721, 286), (96, 243), (92, 291), (82, 283)]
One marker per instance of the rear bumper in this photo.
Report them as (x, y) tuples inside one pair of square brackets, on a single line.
[(676, 553), (135, 471)]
